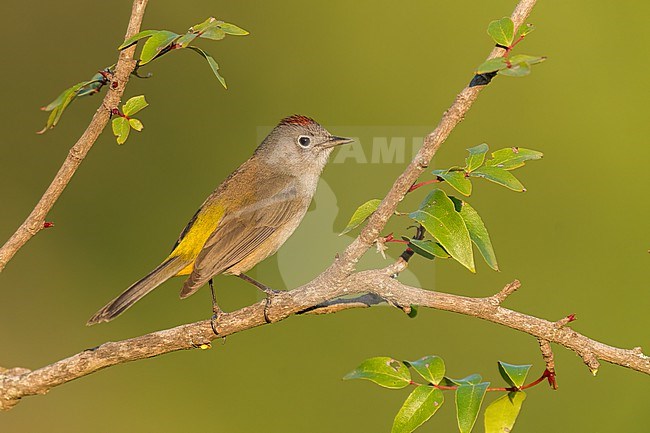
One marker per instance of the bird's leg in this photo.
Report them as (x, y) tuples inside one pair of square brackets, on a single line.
[(266, 289), (270, 293), (216, 311)]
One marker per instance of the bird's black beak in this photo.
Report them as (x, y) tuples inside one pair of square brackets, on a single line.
[(337, 141)]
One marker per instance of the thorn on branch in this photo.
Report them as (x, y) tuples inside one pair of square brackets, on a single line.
[(565, 321), (508, 290), (407, 309), (591, 361)]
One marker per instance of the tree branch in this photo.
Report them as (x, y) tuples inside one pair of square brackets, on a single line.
[(18, 383), (344, 265), (35, 222), (323, 294)]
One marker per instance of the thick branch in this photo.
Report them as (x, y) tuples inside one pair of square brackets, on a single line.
[(20, 383), (36, 219)]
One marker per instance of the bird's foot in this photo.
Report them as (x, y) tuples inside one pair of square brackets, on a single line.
[(214, 320), (270, 294)]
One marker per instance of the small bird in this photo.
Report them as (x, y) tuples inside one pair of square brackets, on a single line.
[(247, 218)]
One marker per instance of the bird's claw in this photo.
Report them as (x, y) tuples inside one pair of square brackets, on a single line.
[(270, 294), (214, 320)]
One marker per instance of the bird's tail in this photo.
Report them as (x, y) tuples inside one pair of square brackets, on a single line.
[(138, 290)]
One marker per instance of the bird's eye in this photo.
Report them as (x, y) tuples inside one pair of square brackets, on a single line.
[(304, 141)]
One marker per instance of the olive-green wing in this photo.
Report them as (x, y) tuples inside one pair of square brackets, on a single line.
[(239, 234)]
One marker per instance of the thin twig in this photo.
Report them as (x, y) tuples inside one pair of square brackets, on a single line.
[(35, 222), (508, 290)]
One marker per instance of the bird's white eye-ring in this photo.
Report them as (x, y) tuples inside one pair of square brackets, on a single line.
[(304, 140)]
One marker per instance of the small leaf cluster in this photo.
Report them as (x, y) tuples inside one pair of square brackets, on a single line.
[(502, 32), (124, 122), (425, 400), (84, 88), (453, 224), (160, 42)]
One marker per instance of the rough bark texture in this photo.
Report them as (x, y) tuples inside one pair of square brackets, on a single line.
[(321, 295), (314, 297)]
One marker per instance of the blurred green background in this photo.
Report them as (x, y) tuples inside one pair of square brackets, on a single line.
[(578, 239)]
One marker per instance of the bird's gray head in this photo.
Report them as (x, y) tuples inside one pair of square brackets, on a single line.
[(298, 145)]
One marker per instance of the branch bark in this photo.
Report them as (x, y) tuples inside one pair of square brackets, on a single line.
[(322, 295), (18, 383), (36, 219)]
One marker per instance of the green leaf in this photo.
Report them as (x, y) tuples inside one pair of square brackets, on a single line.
[(155, 44), (438, 216), (431, 368), (419, 406), (208, 23), (524, 58), (472, 378), (92, 86), (499, 176), (492, 65), (502, 31), (469, 397), (56, 102), (448, 381), (213, 64), (516, 70), (384, 371), (427, 248), (456, 179), (232, 29), (134, 105), (186, 39), (512, 157), (501, 414), (515, 375), (414, 312), (136, 124), (526, 29), (214, 33), (121, 129), (476, 157), (361, 214), (477, 232), (58, 106), (135, 38)]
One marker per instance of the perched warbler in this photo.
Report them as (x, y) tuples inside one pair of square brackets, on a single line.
[(247, 218)]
